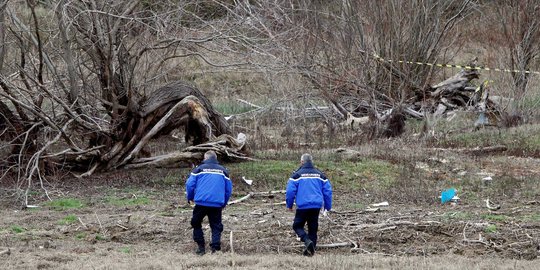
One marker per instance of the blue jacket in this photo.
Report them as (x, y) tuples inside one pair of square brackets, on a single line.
[(310, 188), (209, 184)]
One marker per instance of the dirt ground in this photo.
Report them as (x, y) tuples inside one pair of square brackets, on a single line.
[(130, 223)]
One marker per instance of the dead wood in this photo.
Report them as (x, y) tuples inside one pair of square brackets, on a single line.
[(486, 150), (240, 199), (7, 252), (269, 193), (492, 207), (395, 224), (253, 194), (358, 212), (332, 245), (377, 116), (231, 240), (176, 91), (454, 85), (176, 105), (481, 240), (134, 123), (227, 147)]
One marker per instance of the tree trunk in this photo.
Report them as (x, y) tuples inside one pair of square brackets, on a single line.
[(176, 105)]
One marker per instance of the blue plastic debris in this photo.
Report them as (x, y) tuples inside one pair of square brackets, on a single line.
[(447, 195), (481, 121)]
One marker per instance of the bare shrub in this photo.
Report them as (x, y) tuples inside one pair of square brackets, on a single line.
[(520, 25)]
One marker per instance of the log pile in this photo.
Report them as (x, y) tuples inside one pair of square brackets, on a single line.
[(454, 93)]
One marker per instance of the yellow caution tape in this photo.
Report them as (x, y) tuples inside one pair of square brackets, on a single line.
[(484, 84), (457, 66)]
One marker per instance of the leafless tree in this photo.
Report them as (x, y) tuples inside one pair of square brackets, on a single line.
[(346, 42), (83, 92), (520, 25)]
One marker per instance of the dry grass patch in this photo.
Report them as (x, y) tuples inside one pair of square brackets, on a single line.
[(170, 260)]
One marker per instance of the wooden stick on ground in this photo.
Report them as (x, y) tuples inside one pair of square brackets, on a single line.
[(231, 242), (241, 199), (248, 103), (333, 245), (252, 194), (7, 251), (265, 193), (232, 248), (84, 225), (101, 227), (123, 227)]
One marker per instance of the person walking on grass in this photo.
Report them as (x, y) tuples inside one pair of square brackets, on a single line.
[(311, 190), (210, 187)]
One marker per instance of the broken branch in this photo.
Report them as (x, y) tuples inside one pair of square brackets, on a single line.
[(240, 200), (333, 245)]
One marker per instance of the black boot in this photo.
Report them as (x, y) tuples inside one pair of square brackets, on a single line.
[(216, 249), (309, 250), (200, 250)]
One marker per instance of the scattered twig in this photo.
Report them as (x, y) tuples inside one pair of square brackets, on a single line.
[(519, 243), (123, 227), (333, 245), (358, 212), (371, 253), (479, 241), (327, 216), (487, 149), (253, 194), (387, 228), (248, 103), (88, 173), (7, 251), (355, 245), (267, 193), (241, 199), (99, 222), (231, 240), (397, 218), (84, 225), (388, 224)]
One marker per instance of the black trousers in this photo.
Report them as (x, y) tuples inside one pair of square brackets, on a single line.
[(214, 218), (311, 217)]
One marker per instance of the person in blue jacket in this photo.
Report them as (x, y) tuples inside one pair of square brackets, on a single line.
[(311, 190), (210, 187)]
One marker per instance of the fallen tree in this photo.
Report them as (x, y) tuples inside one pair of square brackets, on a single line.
[(384, 118), (174, 106)]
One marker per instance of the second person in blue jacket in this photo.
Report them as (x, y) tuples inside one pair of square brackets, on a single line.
[(311, 190), (210, 188)]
